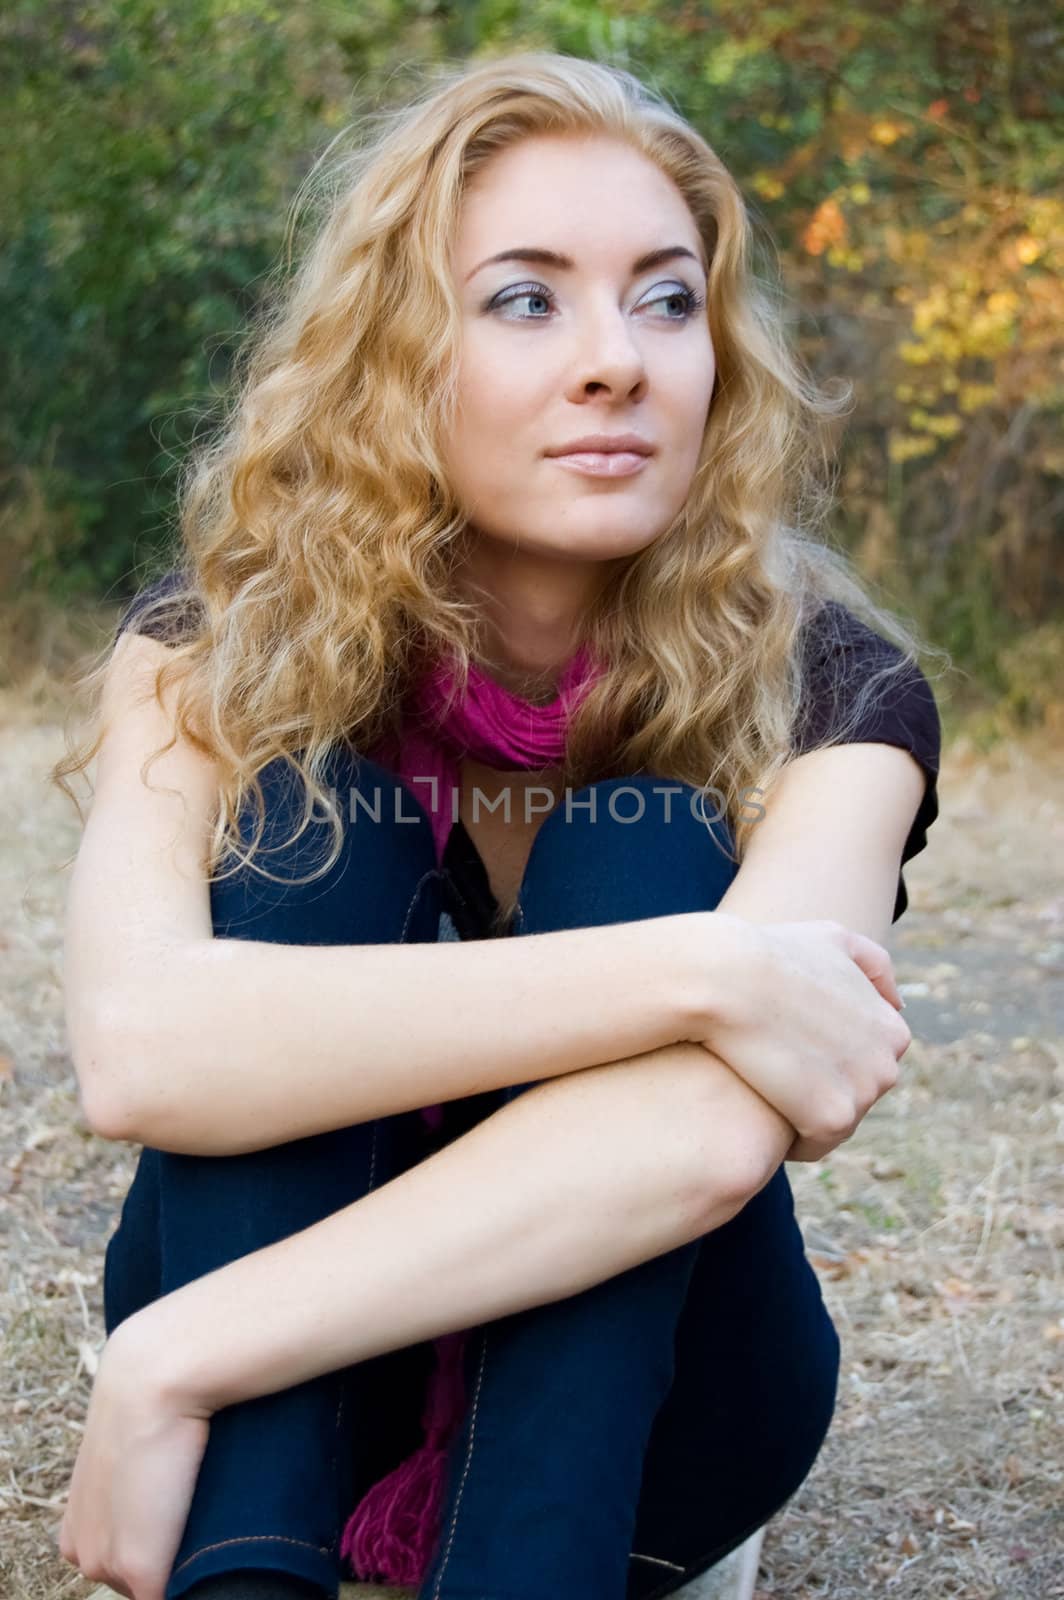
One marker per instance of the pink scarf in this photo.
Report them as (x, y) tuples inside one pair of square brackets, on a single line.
[(391, 1534)]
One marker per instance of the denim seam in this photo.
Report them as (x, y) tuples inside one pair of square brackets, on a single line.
[(448, 878), (659, 1561), (433, 872), (373, 1154), (333, 1467), (345, 1378), (465, 1469), (251, 1538)]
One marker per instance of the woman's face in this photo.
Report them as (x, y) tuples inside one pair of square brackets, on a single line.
[(599, 344)]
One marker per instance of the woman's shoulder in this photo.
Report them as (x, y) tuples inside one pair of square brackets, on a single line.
[(850, 699), (833, 629), (166, 608), (861, 686)]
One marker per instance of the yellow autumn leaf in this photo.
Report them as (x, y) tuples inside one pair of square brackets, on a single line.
[(767, 185), (974, 396), (904, 447), (885, 132), (944, 427)]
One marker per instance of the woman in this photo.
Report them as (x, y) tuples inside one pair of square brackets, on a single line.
[(477, 1267)]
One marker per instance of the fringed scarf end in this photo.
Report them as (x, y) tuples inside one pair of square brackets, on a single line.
[(390, 1535), (392, 1532)]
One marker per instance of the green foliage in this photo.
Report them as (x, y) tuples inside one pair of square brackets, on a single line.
[(151, 146), (900, 161)]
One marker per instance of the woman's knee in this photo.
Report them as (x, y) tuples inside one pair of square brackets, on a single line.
[(623, 849), (383, 885), (798, 1430)]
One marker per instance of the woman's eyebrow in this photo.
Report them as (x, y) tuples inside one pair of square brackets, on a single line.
[(551, 258)]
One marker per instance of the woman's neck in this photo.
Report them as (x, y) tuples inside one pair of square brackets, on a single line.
[(532, 609), (539, 688)]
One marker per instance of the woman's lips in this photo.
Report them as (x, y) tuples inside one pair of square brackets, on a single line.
[(603, 463)]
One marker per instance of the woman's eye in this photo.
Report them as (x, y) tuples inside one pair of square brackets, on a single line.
[(690, 300), (512, 296)]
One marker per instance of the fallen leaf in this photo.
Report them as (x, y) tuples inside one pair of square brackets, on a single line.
[(44, 1134)]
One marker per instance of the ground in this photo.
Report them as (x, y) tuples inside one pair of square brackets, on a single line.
[(937, 1230)]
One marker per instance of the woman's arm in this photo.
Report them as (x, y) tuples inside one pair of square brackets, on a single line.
[(212, 1046), (831, 840), (573, 1182), (830, 845)]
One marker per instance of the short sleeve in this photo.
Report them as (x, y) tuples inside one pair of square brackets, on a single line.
[(172, 624), (847, 702)]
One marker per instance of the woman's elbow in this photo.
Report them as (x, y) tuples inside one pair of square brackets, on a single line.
[(102, 1050), (743, 1140), (729, 1187)]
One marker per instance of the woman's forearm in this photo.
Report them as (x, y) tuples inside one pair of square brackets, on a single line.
[(574, 1181), (225, 1046)]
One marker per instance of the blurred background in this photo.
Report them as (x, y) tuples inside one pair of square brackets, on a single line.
[(901, 163), (900, 159)]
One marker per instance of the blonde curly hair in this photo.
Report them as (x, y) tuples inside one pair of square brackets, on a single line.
[(320, 537)]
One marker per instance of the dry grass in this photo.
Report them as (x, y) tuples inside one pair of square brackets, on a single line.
[(937, 1230)]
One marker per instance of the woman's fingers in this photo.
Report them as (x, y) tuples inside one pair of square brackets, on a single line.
[(874, 961), (812, 1025), (804, 1149)]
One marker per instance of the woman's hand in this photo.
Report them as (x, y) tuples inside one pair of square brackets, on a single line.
[(135, 1471), (808, 1014)]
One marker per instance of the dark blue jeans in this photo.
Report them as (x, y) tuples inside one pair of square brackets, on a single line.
[(616, 1442)]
